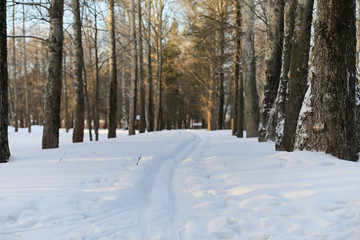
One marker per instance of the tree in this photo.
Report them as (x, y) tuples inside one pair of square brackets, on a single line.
[(53, 86), (26, 88), (273, 68), (134, 76), (158, 124), (14, 71), (249, 71), (78, 133), (289, 18), (113, 71), (297, 83), (149, 86), (142, 123), (328, 120), (4, 143), (238, 99)]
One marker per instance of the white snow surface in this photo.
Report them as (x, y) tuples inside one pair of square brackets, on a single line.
[(188, 185)]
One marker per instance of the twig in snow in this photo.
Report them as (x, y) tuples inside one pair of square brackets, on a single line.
[(137, 163)]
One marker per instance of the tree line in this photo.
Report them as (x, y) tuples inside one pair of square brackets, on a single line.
[(147, 65)]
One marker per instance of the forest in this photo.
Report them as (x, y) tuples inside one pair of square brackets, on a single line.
[(278, 70)]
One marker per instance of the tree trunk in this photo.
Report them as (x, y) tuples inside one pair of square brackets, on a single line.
[(149, 87), (4, 143), (328, 121), (66, 105), (113, 72), (27, 109), (53, 86), (237, 33), (97, 84), (87, 104), (134, 79), (221, 100), (273, 67), (298, 71), (289, 18), (158, 111), (249, 71), (16, 104), (78, 133), (142, 123)]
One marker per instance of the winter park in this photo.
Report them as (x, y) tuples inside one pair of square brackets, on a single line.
[(179, 120)]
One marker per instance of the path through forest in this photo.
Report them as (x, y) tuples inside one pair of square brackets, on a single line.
[(187, 185)]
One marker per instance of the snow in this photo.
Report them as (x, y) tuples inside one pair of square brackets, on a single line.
[(187, 185)]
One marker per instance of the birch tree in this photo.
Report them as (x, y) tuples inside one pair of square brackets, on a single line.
[(249, 71), (53, 86), (327, 121), (4, 143)]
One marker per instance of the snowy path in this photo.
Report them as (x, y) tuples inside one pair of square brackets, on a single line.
[(158, 205), (188, 185)]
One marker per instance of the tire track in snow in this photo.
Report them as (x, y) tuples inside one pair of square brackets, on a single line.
[(157, 206)]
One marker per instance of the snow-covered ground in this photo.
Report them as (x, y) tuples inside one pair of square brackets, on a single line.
[(187, 185)]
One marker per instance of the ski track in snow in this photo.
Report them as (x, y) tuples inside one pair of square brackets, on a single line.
[(159, 217)]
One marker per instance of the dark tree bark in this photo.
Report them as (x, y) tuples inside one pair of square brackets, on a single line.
[(328, 121), (97, 80), (221, 92), (298, 71), (237, 52), (53, 86), (273, 67), (134, 77), (289, 18), (113, 72), (78, 133), (142, 124), (149, 87), (4, 143), (251, 102)]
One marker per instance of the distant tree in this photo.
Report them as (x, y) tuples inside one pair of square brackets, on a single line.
[(14, 75), (149, 85), (134, 75), (159, 10), (328, 121), (113, 71), (78, 133), (142, 97), (53, 87), (4, 144), (238, 98)]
